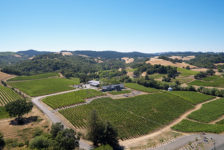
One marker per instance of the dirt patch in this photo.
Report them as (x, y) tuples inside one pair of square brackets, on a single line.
[(144, 74), (155, 60), (200, 69), (5, 76), (128, 60), (219, 64), (16, 55), (98, 60), (24, 132), (66, 53), (162, 138), (130, 74)]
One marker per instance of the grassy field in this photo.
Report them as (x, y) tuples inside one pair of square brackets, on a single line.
[(119, 92), (67, 99), (190, 126), (7, 95), (138, 87), (3, 113), (213, 81), (192, 97), (33, 77), (185, 72), (209, 112), (132, 117), (43, 86)]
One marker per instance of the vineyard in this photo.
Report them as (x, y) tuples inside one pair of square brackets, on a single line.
[(209, 112), (212, 81), (33, 77), (7, 95), (138, 87), (44, 86), (72, 98), (134, 116), (192, 97), (191, 126)]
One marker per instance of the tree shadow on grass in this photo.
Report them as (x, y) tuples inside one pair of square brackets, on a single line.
[(24, 121)]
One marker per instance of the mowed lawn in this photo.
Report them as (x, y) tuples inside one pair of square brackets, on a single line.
[(38, 76), (138, 87), (43, 86), (192, 97), (212, 81), (71, 98), (132, 117), (209, 111)]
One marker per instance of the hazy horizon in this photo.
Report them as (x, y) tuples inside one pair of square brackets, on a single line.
[(147, 26)]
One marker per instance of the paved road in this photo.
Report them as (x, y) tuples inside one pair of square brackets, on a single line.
[(36, 100), (183, 140)]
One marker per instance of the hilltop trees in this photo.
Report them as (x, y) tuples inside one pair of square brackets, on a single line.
[(18, 108)]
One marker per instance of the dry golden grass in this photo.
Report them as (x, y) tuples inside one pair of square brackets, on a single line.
[(163, 62), (128, 60)]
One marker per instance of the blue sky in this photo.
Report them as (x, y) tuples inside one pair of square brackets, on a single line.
[(121, 25)]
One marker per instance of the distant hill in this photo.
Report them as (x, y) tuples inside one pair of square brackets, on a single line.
[(111, 54), (31, 53)]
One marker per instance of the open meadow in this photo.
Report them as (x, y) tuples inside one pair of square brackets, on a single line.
[(132, 117), (43, 86), (71, 98)]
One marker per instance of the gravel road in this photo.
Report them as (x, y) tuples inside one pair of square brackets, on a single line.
[(36, 100)]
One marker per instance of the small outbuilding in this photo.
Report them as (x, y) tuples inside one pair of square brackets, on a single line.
[(112, 87), (170, 89), (94, 83)]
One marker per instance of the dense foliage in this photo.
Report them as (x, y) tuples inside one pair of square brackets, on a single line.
[(207, 60)]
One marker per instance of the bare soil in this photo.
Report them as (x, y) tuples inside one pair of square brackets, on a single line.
[(128, 60), (5, 76), (155, 60), (182, 58), (24, 132)]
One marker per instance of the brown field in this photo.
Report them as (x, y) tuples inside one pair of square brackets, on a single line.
[(4, 76), (155, 60), (25, 132), (98, 60), (66, 53), (128, 60), (16, 55)]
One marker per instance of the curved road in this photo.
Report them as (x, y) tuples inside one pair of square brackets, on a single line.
[(36, 100), (183, 140)]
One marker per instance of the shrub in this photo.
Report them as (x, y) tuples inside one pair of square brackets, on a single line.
[(39, 142)]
